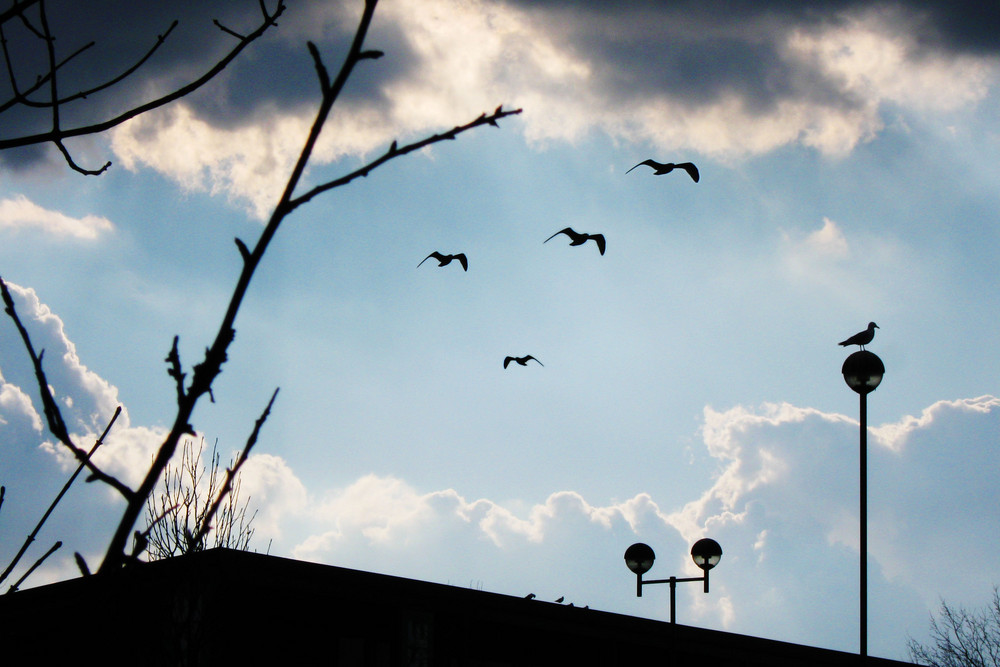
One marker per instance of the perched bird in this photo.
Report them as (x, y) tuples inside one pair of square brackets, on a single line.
[(560, 599), (660, 168), (529, 596), (523, 361), (445, 260), (861, 338), (580, 239)]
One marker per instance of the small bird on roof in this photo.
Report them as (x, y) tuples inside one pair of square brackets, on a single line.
[(560, 599), (529, 596), (445, 260), (660, 168), (580, 239), (861, 338), (522, 361)]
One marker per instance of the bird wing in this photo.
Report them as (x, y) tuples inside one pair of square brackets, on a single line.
[(463, 260), (599, 239), (651, 163), (691, 169), (568, 232), (436, 255), (530, 358), (856, 339), (506, 362)]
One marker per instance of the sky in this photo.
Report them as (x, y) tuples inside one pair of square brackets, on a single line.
[(690, 381)]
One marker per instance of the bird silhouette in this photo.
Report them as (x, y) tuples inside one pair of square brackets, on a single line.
[(660, 168), (445, 260), (529, 596), (560, 599), (861, 338), (522, 361), (580, 239)]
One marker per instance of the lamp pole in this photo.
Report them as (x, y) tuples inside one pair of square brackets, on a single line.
[(863, 372), (639, 557)]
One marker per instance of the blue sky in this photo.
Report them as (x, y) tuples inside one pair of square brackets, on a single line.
[(691, 384)]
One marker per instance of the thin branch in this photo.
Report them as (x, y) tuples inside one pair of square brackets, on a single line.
[(52, 413), (395, 151), (15, 9), (22, 97), (17, 584), (206, 522), (81, 564), (59, 496), (102, 126)]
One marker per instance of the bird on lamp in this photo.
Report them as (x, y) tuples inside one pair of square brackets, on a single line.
[(861, 338), (660, 168)]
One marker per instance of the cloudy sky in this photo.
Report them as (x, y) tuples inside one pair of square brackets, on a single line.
[(691, 383)]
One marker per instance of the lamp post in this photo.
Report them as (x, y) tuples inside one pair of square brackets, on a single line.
[(639, 557), (863, 372)]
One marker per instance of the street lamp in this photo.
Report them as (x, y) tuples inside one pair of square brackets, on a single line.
[(639, 558), (863, 372)]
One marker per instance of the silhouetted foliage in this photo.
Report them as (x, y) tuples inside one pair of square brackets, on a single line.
[(962, 638), (176, 517)]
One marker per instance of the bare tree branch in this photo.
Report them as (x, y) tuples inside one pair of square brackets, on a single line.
[(31, 537), (962, 638), (231, 473), (16, 9), (57, 134), (52, 413), (17, 584), (395, 151)]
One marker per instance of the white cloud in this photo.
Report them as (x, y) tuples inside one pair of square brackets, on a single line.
[(21, 213), (88, 400)]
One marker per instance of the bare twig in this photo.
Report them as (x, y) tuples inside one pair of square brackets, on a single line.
[(17, 584), (15, 9), (52, 413), (57, 135), (395, 151), (59, 496), (231, 473)]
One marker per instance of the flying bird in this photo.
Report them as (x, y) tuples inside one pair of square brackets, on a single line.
[(660, 168), (523, 361), (445, 260), (861, 338), (580, 239)]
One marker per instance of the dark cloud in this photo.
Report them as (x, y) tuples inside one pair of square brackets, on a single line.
[(972, 27), (274, 72), (700, 51)]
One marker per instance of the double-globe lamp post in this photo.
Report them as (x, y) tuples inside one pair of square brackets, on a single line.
[(863, 372), (639, 557)]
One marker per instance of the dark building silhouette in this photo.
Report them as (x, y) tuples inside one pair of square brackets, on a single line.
[(224, 607)]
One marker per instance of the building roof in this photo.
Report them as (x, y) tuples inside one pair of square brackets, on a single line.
[(230, 607)]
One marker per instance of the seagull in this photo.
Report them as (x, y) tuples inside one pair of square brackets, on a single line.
[(445, 260), (660, 168), (523, 361), (861, 338), (580, 239)]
